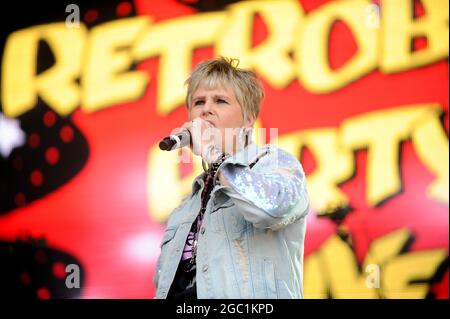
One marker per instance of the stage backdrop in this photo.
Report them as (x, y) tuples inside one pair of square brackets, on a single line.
[(357, 89)]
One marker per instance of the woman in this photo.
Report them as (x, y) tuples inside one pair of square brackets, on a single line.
[(240, 232)]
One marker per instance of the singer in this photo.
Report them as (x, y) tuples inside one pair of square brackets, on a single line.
[(240, 232)]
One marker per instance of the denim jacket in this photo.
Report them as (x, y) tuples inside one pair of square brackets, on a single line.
[(251, 241)]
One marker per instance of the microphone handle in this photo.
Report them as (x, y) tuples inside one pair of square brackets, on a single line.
[(172, 142)]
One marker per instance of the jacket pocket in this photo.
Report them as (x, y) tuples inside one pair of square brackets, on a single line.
[(270, 279), (168, 236), (221, 204), (234, 222), (218, 219)]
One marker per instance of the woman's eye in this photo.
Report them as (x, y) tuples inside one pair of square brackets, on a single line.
[(198, 102), (221, 101)]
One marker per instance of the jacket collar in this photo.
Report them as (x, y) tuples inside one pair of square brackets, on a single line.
[(244, 157)]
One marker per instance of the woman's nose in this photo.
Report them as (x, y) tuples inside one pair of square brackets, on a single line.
[(207, 107)]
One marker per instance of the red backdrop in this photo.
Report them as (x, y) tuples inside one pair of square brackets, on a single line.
[(101, 203)]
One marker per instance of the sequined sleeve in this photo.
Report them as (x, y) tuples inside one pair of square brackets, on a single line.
[(270, 195)]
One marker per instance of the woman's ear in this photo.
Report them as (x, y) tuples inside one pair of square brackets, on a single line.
[(249, 120)]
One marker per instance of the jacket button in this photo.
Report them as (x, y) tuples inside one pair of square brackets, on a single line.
[(205, 268), (202, 230)]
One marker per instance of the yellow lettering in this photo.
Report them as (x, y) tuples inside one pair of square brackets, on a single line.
[(333, 267), (56, 85), (345, 279), (399, 28), (103, 82), (334, 166), (313, 283), (311, 48), (165, 187), (431, 145), (399, 274), (175, 53), (381, 132), (281, 18)]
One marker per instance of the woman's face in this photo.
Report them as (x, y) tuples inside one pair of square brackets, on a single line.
[(219, 107)]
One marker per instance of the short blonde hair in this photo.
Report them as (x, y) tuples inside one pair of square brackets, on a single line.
[(224, 71)]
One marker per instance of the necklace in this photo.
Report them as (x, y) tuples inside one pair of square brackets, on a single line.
[(209, 185)]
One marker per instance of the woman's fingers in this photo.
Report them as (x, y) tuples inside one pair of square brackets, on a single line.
[(185, 126), (202, 133), (198, 126)]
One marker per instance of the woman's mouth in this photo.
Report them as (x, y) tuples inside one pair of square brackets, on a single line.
[(211, 122)]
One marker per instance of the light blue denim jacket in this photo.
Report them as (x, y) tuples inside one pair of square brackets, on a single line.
[(251, 241)]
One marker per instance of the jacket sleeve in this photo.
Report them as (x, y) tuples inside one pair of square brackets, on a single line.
[(272, 194)]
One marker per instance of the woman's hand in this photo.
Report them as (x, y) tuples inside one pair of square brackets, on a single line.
[(206, 140)]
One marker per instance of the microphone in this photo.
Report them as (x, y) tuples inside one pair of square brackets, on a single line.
[(175, 141)]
